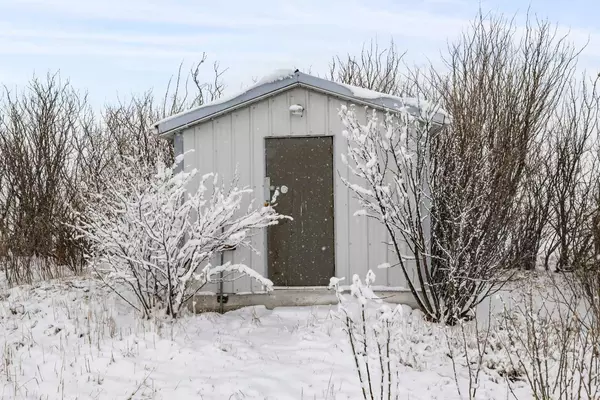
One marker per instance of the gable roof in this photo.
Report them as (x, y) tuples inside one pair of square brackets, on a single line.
[(282, 80)]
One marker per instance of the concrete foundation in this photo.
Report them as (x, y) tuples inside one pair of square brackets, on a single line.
[(288, 297)]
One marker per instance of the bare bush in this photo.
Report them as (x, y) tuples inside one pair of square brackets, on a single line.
[(575, 167), (558, 351), (127, 127), (125, 131), (56, 155), (178, 98), (475, 177), (38, 168), (375, 68), (550, 336), (502, 91), (530, 236)]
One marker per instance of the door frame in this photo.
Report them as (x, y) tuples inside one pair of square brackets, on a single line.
[(335, 173)]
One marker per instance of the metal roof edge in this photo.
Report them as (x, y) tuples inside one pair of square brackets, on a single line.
[(224, 110), (169, 126), (384, 102)]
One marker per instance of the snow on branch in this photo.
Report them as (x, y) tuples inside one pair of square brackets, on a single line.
[(410, 175), (157, 239)]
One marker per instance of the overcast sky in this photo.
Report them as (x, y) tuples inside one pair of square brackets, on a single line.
[(118, 47)]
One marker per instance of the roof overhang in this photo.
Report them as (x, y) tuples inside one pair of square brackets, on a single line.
[(281, 83)]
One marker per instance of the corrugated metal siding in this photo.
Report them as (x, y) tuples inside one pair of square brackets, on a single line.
[(242, 152), (342, 200), (260, 126), (236, 141)]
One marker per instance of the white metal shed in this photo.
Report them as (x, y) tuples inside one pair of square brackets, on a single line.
[(284, 132)]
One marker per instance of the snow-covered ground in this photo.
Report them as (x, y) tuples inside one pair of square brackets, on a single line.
[(72, 338)]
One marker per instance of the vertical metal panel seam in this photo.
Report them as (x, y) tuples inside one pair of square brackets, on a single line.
[(233, 168), (289, 99), (252, 182)]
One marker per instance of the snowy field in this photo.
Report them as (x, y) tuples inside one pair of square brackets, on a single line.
[(73, 339)]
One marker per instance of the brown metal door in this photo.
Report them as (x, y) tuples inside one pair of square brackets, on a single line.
[(301, 252)]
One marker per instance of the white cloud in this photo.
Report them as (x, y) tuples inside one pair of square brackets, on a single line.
[(261, 14), (9, 33), (196, 13), (248, 37), (306, 32)]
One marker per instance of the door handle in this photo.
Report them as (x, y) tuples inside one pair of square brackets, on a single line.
[(267, 191)]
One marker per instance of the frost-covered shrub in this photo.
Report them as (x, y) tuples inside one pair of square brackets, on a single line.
[(550, 340), (158, 240), (377, 337), (409, 175)]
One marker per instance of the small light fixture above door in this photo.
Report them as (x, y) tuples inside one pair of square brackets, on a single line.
[(297, 109)]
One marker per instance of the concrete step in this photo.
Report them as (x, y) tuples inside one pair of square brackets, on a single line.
[(288, 297)]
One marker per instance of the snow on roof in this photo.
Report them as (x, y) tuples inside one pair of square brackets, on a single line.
[(277, 75), (284, 79), (399, 102)]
